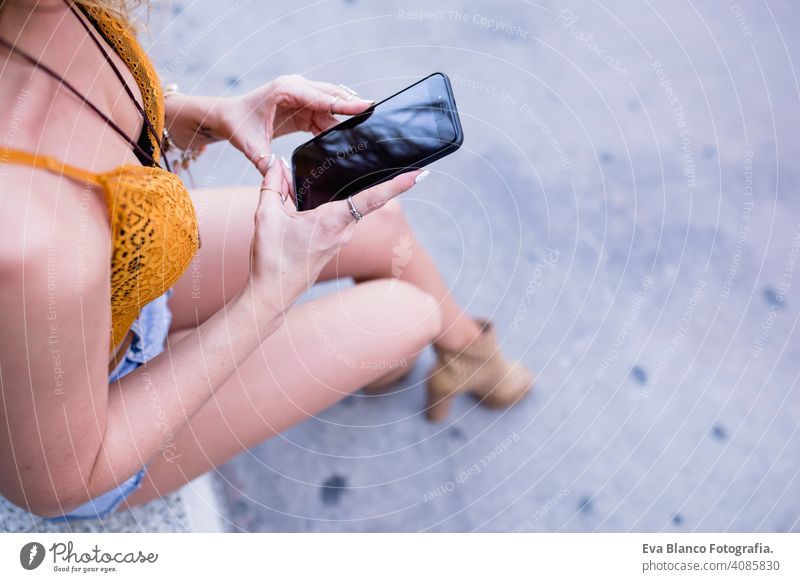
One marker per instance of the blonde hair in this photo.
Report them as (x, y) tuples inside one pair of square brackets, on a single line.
[(133, 14), (122, 9)]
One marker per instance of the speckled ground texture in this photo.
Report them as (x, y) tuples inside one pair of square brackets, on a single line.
[(625, 207)]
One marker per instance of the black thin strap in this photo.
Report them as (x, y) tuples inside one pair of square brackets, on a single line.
[(117, 72), (39, 65)]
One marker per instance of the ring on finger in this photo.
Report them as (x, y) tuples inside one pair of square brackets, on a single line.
[(353, 210), (278, 192), (333, 102)]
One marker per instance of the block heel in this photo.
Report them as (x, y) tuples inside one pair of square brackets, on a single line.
[(478, 369)]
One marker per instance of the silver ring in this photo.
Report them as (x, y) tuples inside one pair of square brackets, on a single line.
[(278, 192), (333, 102), (356, 214)]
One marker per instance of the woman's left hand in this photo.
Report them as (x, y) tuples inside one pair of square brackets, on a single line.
[(250, 122), (289, 103)]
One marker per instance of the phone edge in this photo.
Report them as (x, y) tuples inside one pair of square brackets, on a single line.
[(453, 146)]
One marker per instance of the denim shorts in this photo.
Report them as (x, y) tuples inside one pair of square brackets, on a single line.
[(149, 338)]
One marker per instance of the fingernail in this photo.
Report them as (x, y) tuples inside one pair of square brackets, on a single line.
[(285, 163), (420, 177), (367, 100), (349, 98), (270, 160)]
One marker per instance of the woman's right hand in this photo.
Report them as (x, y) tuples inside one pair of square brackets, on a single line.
[(290, 248)]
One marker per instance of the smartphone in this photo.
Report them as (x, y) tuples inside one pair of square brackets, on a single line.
[(406, 131)]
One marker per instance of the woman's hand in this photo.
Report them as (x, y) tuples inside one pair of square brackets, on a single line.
[(250, 122), (289, 103), (290, 248)]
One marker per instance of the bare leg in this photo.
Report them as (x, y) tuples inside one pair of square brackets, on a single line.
[(322, 353), (383, 246)]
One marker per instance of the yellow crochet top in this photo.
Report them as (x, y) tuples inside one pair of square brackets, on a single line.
[(154, 232)]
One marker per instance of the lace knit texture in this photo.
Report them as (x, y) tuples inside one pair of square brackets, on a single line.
[(153, 223), (154, 237), (154, 232)]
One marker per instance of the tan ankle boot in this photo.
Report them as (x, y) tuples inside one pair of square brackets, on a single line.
[(479, 369)]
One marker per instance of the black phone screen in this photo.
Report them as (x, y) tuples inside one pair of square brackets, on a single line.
[(405, 131)]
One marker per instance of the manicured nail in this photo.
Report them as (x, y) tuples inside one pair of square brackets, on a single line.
[(270, 159), (421, 177), (285, 163), (367, 100)]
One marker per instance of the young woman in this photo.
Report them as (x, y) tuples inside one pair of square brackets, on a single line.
[(149, 334)]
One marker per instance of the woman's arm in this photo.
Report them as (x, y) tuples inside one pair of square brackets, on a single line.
[(68, 436), (195, 121), (53, 349)]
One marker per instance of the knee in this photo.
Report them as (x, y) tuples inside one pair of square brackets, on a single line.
[(390, 219), (408, 309)]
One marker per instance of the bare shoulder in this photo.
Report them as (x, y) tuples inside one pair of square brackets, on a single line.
[(43, 215)]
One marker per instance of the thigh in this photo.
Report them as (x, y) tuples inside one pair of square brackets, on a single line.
[(325, 349), (219, 269)]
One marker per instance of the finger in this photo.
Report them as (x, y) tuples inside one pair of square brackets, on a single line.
[(373, 198), (337, 90), (353, 106), (273, 189), (256, 147), (349, 90), (341, 90), (322, 121), (263, 161), (332, 100), (273, 180)]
